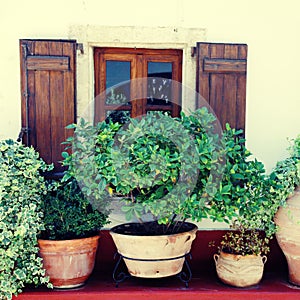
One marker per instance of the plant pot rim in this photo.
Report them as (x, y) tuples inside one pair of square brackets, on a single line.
[(69, 240), (239, 256), (113, 230)]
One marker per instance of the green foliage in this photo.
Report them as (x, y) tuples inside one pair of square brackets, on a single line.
[(154, 163), (68, 214), (90, 162), (154, 166), (261, 197), (178, 169), (21, 188), (277, 187), (201, 126), (295, 147), (251, 196), (239, 192)]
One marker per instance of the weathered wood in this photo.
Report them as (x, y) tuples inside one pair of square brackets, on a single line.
[(224, 65), (48, 73), (69, 91), (221, 81), (42, 107), (48, 63)]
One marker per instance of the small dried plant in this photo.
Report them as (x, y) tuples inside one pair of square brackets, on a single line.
[(244, 241)]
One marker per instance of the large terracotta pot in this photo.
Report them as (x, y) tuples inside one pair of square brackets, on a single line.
[(239, 270), (69, 263), (288, 235), (153, 256)]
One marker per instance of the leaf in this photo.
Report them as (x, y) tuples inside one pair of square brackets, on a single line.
[(65, 154), (226, 189), (71, 126), (126, 208)]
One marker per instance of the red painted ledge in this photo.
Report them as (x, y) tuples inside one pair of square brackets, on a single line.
[(204, 284)]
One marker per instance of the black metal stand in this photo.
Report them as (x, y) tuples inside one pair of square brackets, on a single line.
[(120, 276), (186, 276)]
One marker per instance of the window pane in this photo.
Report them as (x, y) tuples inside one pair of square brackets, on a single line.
[(120, 116), (117, 72), (160, 69), (159, 87)]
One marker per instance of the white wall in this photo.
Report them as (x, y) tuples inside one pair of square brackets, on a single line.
[(270, 28)]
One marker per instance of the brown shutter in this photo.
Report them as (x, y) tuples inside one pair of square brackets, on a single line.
[(48, 83), (221, 80)]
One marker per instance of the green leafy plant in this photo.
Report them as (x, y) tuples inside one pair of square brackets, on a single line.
[(258, 197), (156, 164), (294, 147), (280, 184), (68, 214), (21, 188), (245, 196), (295, 153), (242, 186)]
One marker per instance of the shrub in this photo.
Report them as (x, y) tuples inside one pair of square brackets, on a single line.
[(21, 188), (68, 214)]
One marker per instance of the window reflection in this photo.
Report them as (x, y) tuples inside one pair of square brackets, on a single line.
[(120, 116), (159, 83), (117, 72)]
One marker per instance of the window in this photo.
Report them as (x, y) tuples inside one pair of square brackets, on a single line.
[(114, 66)]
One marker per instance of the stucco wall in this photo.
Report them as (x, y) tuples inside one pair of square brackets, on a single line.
[(270, 28), (132, 37)]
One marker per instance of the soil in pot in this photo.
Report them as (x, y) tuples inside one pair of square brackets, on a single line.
[(151, 252)]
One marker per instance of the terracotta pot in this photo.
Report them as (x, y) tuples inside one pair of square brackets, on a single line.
[(239, 270), (69, 263), (154, 256), (288, 234)]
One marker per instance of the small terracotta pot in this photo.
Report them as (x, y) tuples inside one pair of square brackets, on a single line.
[(69, 263), (239, 270), (288, 235), (154, 256)]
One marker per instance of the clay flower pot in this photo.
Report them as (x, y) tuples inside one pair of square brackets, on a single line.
[(239, 270), (69, 263), (288, 234), (153, 256)]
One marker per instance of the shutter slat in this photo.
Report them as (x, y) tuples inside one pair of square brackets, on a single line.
[(48, 63), (224, 65), (42, 106), (56, 90)]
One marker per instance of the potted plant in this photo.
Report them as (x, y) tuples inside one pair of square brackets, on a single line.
[(242, 250), (287, 177), (21, 188), (242, 255), (158, 166), (257, 198), (69, 240)]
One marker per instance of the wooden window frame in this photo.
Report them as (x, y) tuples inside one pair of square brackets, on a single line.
[(139, 59)]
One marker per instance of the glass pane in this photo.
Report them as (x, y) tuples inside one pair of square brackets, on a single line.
[(117, 72), (120, 116), (159, 86)]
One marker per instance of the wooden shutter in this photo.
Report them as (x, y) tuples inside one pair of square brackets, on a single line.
[(48, 83), (221, 80)]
